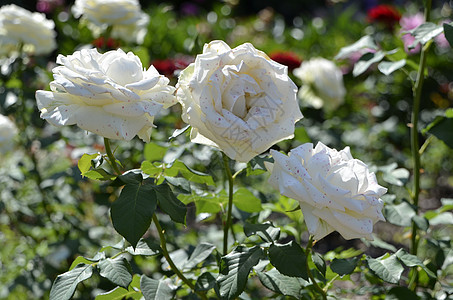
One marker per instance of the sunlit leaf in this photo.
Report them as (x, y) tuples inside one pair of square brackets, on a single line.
[(400, 214), (235, 268), (153, 289), (267, 231), (246, 201), (284, 285), (388, 269), (65, 284), (116, 270)]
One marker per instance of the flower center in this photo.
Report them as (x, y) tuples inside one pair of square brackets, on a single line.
[(123, 71)]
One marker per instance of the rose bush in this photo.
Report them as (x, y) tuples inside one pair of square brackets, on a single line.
[(8, 131), (20, 27), (322, 83), (125, 17), (335, 191), (109, 94), (238, 100)]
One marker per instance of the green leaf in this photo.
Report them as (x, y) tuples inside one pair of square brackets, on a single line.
[(144, 247), (170, 204), (445, 218), (448, 31), (266, 231), (301, 135), (400, 214), (130, 177), (246, 201), (154, 152), (366, 61), (119, 293), (179, 167), (65, 284), (235, 268), (289, 259), (425, 32), (284, 285), (319, 263), (393, 175), (441, 128), (88, 261), (84, 163), (378, 243), (421, 222), (116, 270), (388, 67), (201, 252), (363, 43), (344, 266), (150, 169), (205, 282), (206, 203), (388, 269), (153, 289), (412, 261), (401, 293), (99, 174), (132, 212)]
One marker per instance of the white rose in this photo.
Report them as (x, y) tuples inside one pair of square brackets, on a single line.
[(238, 100), (8, 131), (125, 17), (322, 83), (336, 192), (21, 27), (109, 94)]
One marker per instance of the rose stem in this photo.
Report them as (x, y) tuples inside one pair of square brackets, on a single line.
[(163, 241), (163, 244), (417, 92), (308, 254), (112, 159), (227, 223)]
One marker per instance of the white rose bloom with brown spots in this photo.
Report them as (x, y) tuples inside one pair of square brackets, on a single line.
[(322, 84), (238, 100), (109, 94), (21, 28), (336, 192), (125, 17)]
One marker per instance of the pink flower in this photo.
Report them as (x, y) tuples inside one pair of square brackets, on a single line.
[(440, 40), (408, 23)]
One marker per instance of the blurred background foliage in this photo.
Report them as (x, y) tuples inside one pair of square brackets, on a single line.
[(49, 214)]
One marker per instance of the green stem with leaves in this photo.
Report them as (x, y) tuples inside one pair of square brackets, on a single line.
[(227, 224), (111, 157), (415, 147), (322, 292), (163, 241), (163, 245)]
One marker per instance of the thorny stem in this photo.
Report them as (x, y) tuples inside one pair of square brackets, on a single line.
[(415, 147), (227, 224), (163, 244), (315, 284)]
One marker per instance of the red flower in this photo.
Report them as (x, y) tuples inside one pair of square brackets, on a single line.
[(386, 14), (289, 59), (102, 43), (168, 66)]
